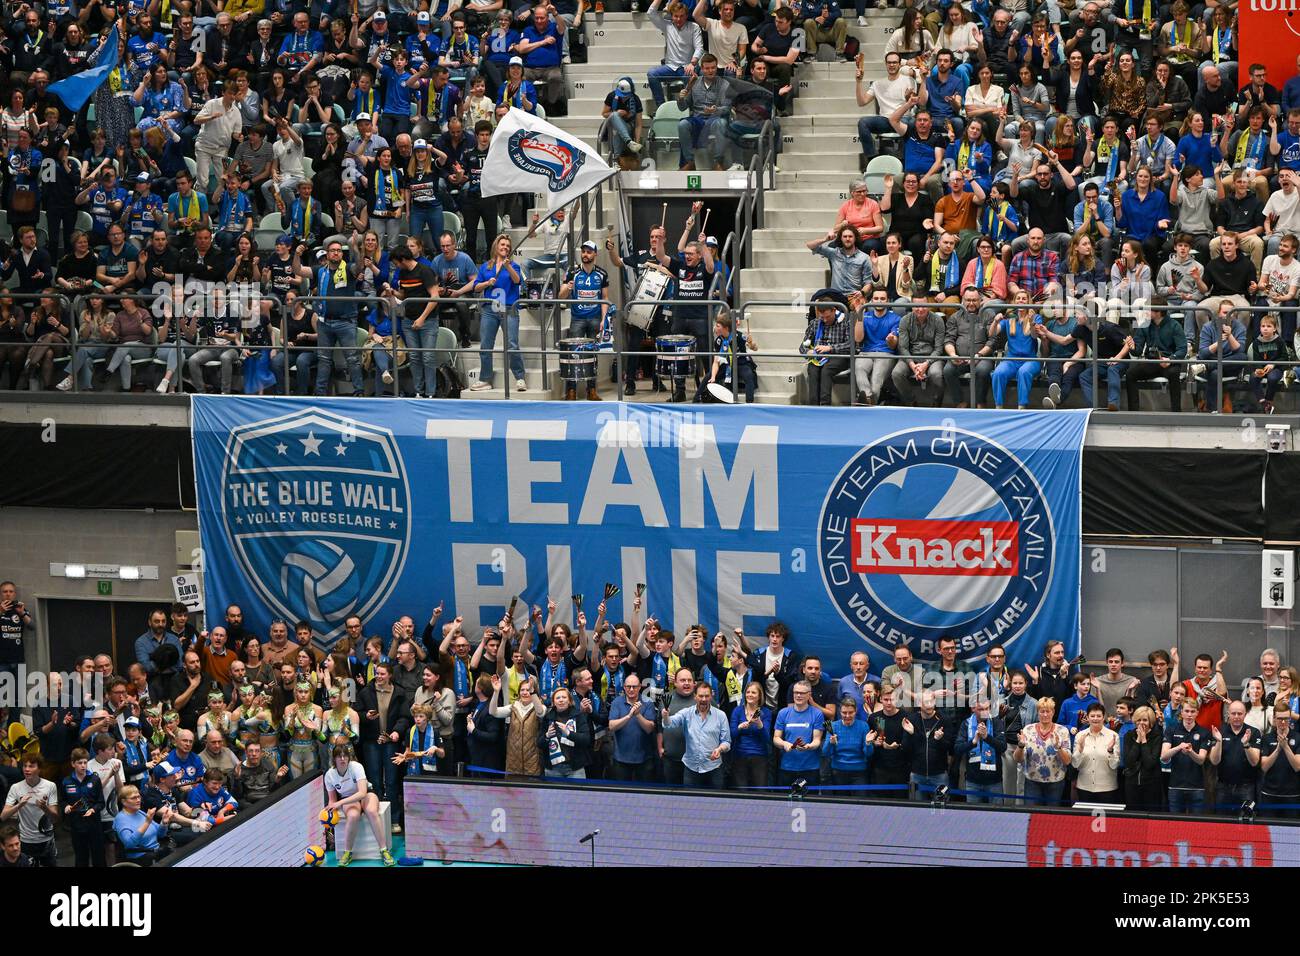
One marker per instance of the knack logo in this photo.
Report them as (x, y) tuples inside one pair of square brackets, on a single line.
[(936, 532)]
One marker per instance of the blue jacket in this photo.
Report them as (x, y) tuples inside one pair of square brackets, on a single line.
[(1074, 710), (1210, 336), (1140, 216), (852, 753)]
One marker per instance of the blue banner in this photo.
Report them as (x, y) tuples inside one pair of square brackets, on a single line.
[(861, 529)]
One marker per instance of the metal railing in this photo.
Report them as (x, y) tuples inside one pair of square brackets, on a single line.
[(620, 352)]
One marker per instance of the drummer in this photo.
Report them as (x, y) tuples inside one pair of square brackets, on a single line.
[(588, 283), (692, 271), (633, 336)]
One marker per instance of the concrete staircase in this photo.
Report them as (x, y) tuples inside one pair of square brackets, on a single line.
[(819, 160)]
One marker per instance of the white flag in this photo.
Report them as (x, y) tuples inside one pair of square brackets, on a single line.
[(529, 155)]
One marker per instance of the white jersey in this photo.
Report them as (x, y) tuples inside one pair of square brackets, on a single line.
[(347, 783)]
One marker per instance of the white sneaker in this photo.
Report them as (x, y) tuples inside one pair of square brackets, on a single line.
[(862, 21), (387, 377), (634, 147), (480, 386), (734, 167), (163, 386), (64, 385), (505, 223), (521, 385)]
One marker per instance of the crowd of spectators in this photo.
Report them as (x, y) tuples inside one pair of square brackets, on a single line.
[(208, 723), (1057, 165)]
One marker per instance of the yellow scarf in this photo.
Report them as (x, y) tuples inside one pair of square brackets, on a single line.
[(963, 154), (341, 274), (189, 207)]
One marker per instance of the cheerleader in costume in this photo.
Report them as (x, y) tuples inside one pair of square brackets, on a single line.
[(253, 722), (216, 717), (341, 725), (302, 723)]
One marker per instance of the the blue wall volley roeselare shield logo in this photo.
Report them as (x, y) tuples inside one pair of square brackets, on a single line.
[(935, 532), (319, 512), (547, 156)]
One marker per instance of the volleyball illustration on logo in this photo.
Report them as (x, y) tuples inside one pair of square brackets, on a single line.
[(325, 575), (317, 508), (936, 532)]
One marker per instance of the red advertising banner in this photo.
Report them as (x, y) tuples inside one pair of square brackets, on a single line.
[(1268, 33), (1061, 840)]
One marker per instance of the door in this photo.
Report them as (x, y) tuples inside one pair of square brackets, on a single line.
[(95, 627)]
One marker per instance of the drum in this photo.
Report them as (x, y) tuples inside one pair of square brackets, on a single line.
[(717, 392), (651, 286), (675, 360), (578, 363)]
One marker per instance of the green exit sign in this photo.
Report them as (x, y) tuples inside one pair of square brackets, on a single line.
[(693, 182), (105, 587)]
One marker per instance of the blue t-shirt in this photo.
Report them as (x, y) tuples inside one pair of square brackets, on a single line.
[(588, 286), (918, 156), (191, 768), (876, 328), (506, 290), (141, 54), (1289, 158), (397, 95), (800, 725), (457, 270), (544, 56), (499, 45), (301, 48)]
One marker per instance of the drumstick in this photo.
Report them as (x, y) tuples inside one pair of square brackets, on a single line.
[(704, 226), (663, 216)]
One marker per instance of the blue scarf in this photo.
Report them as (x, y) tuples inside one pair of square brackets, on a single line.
[(298, 218), (136, 757), (995, 229), (461, 678), (981, 751), (423, 741), (230, 208), (553, 677), (612, 682), (659, 671), (706, 675), (1112, 161)]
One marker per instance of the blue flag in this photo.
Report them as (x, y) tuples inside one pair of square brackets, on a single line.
[(77, 89)]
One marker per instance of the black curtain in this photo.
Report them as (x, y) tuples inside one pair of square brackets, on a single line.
[(87, 466)]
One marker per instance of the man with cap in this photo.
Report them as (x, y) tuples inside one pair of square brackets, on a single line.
[(379, 40), (623, 108), (826, 343), (362, 150), (163, 796), (542, 46), (145, 212), (336, 283), (423, 46), (588, 283)]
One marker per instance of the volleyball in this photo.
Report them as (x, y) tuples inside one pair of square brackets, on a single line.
[(314, 856), (330, 817), (324, 575)]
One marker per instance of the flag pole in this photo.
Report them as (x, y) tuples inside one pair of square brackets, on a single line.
[(614, 171)]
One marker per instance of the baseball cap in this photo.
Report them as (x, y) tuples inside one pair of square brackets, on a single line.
[(588, 246), (363, 117), (516, 61), (711, 241), (163, 769), (380, 15), (422, 16), (131, 722), (142, 178), (284, 239), (624, 86), (420, 144)]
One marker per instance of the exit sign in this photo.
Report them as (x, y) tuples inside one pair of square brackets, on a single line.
[(693, 182), (105, 587)]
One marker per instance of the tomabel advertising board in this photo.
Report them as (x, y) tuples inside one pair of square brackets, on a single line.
[(864, 530)]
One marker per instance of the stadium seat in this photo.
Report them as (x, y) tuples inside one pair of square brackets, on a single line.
[(877, 169), (452, 224), (664, 125), (272, 220)]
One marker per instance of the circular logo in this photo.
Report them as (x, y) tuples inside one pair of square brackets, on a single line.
[(547, 156), (936, 532)]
